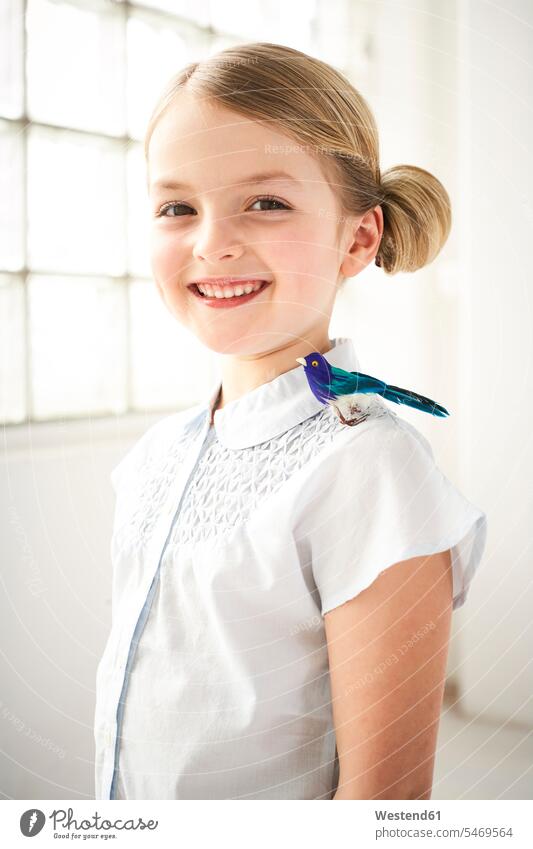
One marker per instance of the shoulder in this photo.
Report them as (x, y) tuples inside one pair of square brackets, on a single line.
[(383, 436), (383, 455)]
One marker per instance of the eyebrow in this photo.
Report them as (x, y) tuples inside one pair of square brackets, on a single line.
[(265, 177)]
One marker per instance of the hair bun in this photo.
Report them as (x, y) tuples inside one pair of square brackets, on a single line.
[(417, 219)]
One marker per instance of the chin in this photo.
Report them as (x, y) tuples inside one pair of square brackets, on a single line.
[(233, 345)]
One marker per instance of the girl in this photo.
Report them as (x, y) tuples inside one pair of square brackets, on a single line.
[(262, 645)]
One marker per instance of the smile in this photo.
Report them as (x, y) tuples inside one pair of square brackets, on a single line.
[(227, 296)]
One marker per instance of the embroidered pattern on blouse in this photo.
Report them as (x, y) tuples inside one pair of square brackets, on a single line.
[(229, 484), (147, 490)]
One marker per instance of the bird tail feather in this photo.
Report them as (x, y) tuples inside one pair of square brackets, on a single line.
[(413, 399)]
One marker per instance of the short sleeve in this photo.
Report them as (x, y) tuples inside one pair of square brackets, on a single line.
[(137, 479), (380, 498), (152, 441), (125, 479)]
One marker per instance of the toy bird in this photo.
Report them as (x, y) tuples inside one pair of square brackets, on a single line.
[(328, 384)]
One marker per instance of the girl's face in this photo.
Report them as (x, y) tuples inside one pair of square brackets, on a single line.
[(242, 200)]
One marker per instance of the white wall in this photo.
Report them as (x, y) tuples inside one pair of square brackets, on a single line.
[(495, 144)]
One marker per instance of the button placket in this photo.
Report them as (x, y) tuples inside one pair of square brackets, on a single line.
[(154, 554)]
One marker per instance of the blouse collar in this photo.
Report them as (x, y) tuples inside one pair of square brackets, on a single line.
[(274, 407)]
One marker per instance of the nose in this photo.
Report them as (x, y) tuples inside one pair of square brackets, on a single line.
[(215, 239)]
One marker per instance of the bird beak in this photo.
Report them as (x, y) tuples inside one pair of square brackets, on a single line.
[(301, 361)]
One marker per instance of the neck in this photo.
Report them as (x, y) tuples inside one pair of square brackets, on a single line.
[(242, 374)]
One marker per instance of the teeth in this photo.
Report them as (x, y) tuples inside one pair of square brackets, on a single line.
[(229, 291)]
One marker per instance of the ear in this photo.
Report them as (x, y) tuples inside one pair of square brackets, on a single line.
[(363, 237)]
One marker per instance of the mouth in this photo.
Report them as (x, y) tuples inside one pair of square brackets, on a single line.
[(223, 302)]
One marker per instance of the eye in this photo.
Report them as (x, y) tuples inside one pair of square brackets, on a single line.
[(166, 206), (269, 199), (314, 363)]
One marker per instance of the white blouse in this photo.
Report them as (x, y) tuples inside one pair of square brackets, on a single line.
[(230, 542)]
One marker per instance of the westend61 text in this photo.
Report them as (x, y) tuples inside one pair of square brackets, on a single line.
[(408, 815)]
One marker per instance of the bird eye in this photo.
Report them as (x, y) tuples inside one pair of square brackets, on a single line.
[(314, 363)]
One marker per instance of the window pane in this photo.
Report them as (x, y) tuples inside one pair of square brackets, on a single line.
[(264, 20), (138, 213), (76, 204), (76, 64), (11, 58), (237, 18), (11, 197), (198, 12), (78, 346), (345, 38), (157, 49), (12, 350), (170, 368)]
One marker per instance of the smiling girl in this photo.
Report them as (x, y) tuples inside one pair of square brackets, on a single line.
[(282, 584)]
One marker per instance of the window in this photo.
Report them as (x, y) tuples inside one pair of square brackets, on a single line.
[(84, 333)]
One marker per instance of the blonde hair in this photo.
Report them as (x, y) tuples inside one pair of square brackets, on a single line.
[(313, 103)]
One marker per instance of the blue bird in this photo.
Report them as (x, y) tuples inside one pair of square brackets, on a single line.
[(328, 383)]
